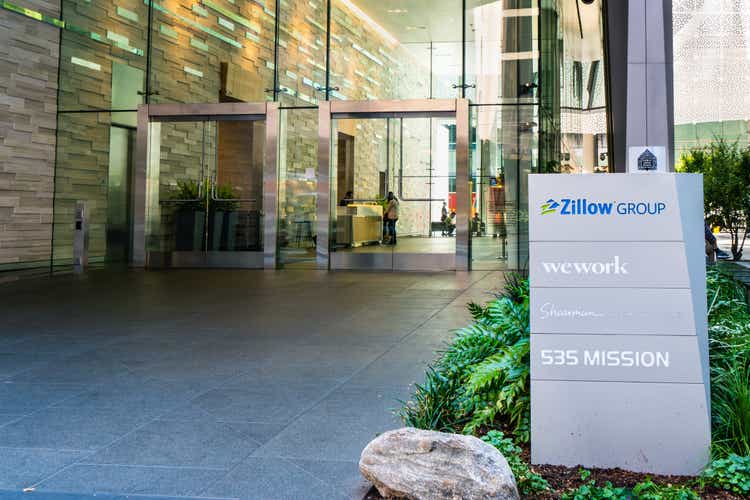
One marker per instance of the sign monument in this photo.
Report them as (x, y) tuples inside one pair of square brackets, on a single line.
[(619, 350)]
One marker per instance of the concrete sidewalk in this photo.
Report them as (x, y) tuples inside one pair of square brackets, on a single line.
[(218, 384)]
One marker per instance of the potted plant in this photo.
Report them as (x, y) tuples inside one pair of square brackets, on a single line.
[(190, 215), (224, 217)]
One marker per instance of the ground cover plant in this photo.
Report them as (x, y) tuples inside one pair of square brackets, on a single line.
[(480, 385)]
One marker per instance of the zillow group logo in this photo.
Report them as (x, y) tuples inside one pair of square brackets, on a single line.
[(583, 206), (549, 207)]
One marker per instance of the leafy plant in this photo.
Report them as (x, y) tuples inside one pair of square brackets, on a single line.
[(528, 481), (729, 343), (731, 473), (434, 405), (649, 490), (726, 186), (193, 195), (488, 366), (591, 491)]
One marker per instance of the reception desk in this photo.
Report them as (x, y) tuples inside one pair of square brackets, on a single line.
[(359, 224)]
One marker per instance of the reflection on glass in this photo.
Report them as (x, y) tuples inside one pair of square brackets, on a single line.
[(302, 52), (503, 154), (383, 51), (298, 187), (81, 174), (204, 187), (212, 51), (98, 46), (502, 58), (573, 112)]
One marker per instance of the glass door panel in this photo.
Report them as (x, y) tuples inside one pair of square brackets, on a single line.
[(411, 160), (426, 180), (359, 185), (235, 192), (204, 193), (503, 153), (176, 187)]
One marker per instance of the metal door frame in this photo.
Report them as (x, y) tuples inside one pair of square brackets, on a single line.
[(409, 108), (264, 111)]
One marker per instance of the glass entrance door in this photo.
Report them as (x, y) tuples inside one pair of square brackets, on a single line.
[(393, 186), (205, 191)]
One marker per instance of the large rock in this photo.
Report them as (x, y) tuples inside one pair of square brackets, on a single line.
[(428, 465)]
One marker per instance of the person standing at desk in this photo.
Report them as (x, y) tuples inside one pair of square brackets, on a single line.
[(390, 217)]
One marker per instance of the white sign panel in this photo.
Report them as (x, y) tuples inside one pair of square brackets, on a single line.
[(618, 306)]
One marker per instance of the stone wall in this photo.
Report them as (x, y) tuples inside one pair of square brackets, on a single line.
[(191, 42), (28, 101)]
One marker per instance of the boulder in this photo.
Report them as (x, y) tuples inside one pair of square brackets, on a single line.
[(428, 465)]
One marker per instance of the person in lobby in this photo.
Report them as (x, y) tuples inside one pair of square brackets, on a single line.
[(443, 216), (347, 199), (450, 224), (390, 217)]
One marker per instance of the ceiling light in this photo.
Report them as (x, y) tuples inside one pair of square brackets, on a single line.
[(397, 11), (413, 28)]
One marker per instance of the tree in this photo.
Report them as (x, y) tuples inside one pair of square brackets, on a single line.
[(726, 187)]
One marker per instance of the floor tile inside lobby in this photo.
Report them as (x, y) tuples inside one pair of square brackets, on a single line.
[(212, 383)]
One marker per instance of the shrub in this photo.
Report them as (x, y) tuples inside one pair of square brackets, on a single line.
[(729, 342), (731, 473), (482, 377), (726, 185), (528, 481), (435, 404)]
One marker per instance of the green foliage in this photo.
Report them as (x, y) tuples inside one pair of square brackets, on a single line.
[(729, 343), (591, 491), (726, 186), (731, 473), (194, 195), (487, 364), (528, 481), (434, 405), (649, 490)]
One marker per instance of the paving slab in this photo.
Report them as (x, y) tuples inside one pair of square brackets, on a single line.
[(218, 384)]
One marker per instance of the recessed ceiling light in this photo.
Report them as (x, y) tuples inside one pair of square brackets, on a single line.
[(397, 11), (416, 27)]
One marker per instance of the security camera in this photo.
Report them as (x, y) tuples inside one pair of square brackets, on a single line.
[(588, 2)]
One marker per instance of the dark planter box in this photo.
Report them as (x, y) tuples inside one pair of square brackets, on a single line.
[(189, 229), (222, 233)]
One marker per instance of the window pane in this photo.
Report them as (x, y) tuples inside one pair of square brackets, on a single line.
[(212, 51), (390, 50), (103, 55)]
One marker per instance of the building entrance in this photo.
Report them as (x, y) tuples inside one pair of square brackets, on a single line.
[(397, 196), (209, 187)]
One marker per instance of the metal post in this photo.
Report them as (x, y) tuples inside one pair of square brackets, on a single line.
[(324, 184), (270, 187), (81, 238), (138, 252), (463, 191)]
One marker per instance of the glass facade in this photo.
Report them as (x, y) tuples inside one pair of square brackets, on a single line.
[(531, 69)]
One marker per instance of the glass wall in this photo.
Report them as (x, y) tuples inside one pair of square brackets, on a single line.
[(573, 112), (532, 72)]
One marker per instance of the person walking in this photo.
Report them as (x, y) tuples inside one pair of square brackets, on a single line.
[(443, 217), (390, 217)]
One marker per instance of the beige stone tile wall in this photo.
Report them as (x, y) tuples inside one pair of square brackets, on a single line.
[(28, 101)]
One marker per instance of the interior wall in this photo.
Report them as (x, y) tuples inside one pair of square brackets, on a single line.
[(29, 53)]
